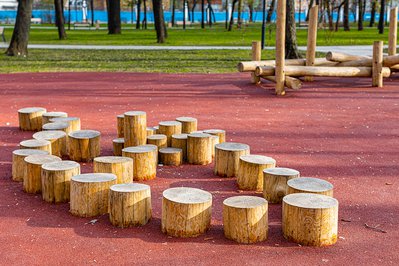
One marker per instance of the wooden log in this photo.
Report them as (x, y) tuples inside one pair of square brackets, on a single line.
[(227, 158), (171, 156), (120, 166), (186, 212), (393, 31), (250, 171), (217, 132), (290, 82), (90, 193), (275, 183), (170, 128), (280, 47), (151, 131), (129, 205), (342, 57), (118, 145), (377, 68), (145, 159), (120, 125), (179, 141), (36, 144), (33, 167), (310, 219), (58, 126), (156, 129), (245, 219), (256, 56), (214, 142), (390, 61), (19, 164), (250, 66), (312, 38), (30, 118), (57, 139), (84, 145), (199, 148), (74, 122), (188, 124), (56, 180), (49, 115), (135, 130), (310, 185), (159, 140)]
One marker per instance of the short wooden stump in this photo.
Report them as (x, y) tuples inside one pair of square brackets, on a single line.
[(90, 194), (227, 158), (84, 145), (199, 148), (57, 139), (159, 140), (56, 177), (145, 160), (33, 171), (120, 125), (188, 124), (151, 131), (214, 141), (245, 219), (186, 212), (310, 219), (135, 128), (179, 141), (171, 156), (59, 126), (49, 115), (73, 122), (275, 183), (118, 145), (129, 204), (30, 118), (169, 128), (217, 132), (18, 163), (250, 171), (36, 144), (120, 166), (310, 185)]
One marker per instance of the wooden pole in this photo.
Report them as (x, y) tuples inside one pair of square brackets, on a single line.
[(280, 47), (342, 57), (256, 56), (393, 31), (312, 38), (377, 64), (290, 82), (250, 66)]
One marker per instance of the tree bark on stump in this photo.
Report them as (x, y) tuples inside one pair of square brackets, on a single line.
[(199, 148), (217, 132), (135, 130), (159, 140), (120, 122), (84, 145), (180, 141), (250, 171), (120, 166), (169, 128), (275, 183), (188, 124), (145, 159), (171, 156), (36, 144), (49, 115), (57, 139), (118, 145), (73, 122), (30, 118), (227, 157), (19, 164)]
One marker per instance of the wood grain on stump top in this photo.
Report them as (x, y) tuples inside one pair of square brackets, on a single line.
[(141, 148), (310, 184), (113, 159), (40, 159), (186, 119), (34, 143), (129, 187), (93, 178), (232, 146), (310, 201), (119, 140), (27, 152), (55, 114), (49, 134), (170, 150), (245, 202), (55, 126), (120, 116), (60, 166), (157, 136), (84, 134), (64, 119), (199, 135), (214, 131), (257, 159), (197, 132), (281, 171), (134, 113), (29, 110), (186, 195), (180, 136), (169, 123), (151, 128)]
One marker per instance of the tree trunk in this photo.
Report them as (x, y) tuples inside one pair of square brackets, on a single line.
[(239, 11), (20, 36), (372, 16), (270, 11), (202, 14), (210, 11), (251, 11), (59, 19), (173, 12), (232, 15), (138, 14), (346, 16), (145, 14), (291, 46), (114, 16), (338, 15), (192, 11), (309, 7), (382, 18), (360, 14), (329, 15), (159, 21)]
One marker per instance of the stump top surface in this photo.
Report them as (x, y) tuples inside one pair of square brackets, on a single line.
[(60, 166), (157, 136), (156, 127), (120, 116), (41, 159), (281, 171), (55, 114), (112, 159), (310, 184), (141, 149), (134, 113), (49, 134), (257, 159), (198, 135), (27, 152), (64, 119), (170, 150), (310, 201), (245, 202), (179, 136), (169, 123), (28, 110), (94, 178), (34, 143), (84, 134), (232, 146), (119, 140), (55, 125), (186, 119), (187, 195), (151, 128), (129, 187), (215, 131)]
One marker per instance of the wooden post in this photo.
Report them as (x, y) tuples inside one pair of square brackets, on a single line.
[(49, 115), (290, 82), (84, 145), (180, 141), (250, 171), (217, 132), (188, 124), (118, 145), (312, 38), (135, 130), (393, 31), (280, 47), (256, 56), (310, 185), (377, 64), (120, 125), (275, 183), (73, 122), (120, 166), (169, 128), (227, 157), (30, 118), (19, 164), (150, 131), (57, 139), (36, 144), (159, 140), (145, 159), (214, 142), (171, 156), (199, 148), (342, 57)]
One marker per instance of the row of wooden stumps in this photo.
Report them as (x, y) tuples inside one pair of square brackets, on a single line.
[(287, 73)]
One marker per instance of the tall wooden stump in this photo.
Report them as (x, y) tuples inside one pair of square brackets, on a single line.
[(245, 219), (171, 156), (129, 204), (377, 64), (56, 178), (227, 158), (145, 159), (90, 193), (120, 122), (33, 169), (256, 56), (120, 166), (73, 122), (58, 126), (30, 118), (84, 145), (250, 171), (49, 115), (19, 164), (275, 183), (135, 130), (36, 144), (310, 185), (169, 128), (199, 148), (393, 31), (310, 219), (151, 131), (312, 38), (280, 46), (214, 142), (188, 124), (118, 145), (57, 139), (217, 132), (179, 141), (159, 140), (186, 212), (156, 129)]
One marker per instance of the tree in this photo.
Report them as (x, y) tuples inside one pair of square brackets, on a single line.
[(362, 9), (270, 11), (20, 36), (138, 20), (114, 16), (59, 18), (346, 16), (159, 21), (372, 15), (382, 18), (309, 7), (192, 10), (239, 11), (338, 15), (291, 46), (173, 12), (232, 15), (145, 14), (250, 4), (328, 8)]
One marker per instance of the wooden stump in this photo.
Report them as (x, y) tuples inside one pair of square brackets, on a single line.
[(120, 121), (89, 194), (56, 177), (49, 115), (59, 126), (151, 131), (158, 140), (245, 219), (217, 132), (227, 158), (145, 160), (57, 139), (171, 156), (84, 145), (186, 212), (129, 204), (135, 130), (118, 145), (179, 141), (275, 183), (156, 129), (120, 166), (250, 171), (169, 128), (33, 168), (199, 148), (30, 118), (73, 122), (310, 185), (18, 163), (188, 124), (310, 219), (36, 144), (214, 142)]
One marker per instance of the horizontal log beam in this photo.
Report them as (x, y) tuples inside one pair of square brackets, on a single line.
[(290, 82), (342, 57), (250, 66)]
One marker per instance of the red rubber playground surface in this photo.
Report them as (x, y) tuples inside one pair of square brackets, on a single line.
[(341, 130)]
